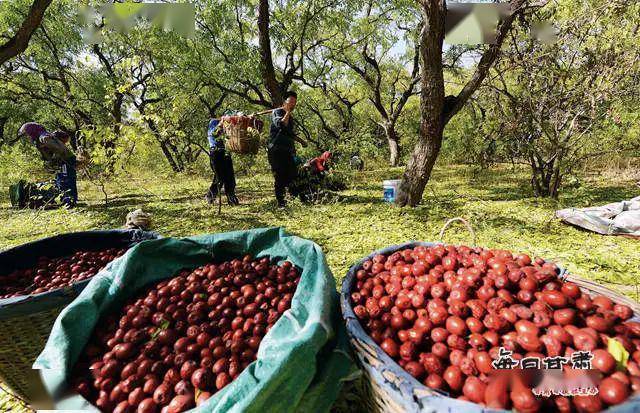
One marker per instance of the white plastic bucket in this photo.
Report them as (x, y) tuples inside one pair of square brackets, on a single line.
[(390, 189)]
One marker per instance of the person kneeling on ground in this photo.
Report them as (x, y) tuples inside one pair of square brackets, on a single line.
[(221, 165), (315, 179), (57, 156), (281, 150), (319, 165)]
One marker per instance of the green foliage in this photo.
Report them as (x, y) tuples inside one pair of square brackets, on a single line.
[(162, 88), (16, 162), (555, 105), (497, 202)]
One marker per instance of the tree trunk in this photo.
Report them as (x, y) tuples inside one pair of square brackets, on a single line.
[(164, 146), (540, 187), (435, 110), (177, 155), (546, 180), (426, 151), (536, 174), (73, 139), (419, 167), (394, 143), (169, 156), (266, 58), (110, 144), (19, 42), (558, 174), (555, 183), (3, 121)]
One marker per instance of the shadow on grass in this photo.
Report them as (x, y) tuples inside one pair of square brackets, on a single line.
[(594, 196), (505, 192), (588, 195), (199, 218), (503, 221), (448, 194), (509, 184), (358, 199), (126, 201)]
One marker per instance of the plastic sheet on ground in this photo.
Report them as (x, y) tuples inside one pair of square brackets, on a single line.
[(618, 218)]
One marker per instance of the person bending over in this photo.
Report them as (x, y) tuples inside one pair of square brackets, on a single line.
[(57, 156), (281, 150), (320, 164)]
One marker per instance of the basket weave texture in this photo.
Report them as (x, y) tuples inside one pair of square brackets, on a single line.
[(21, 341), (25, 322), (239, 139)]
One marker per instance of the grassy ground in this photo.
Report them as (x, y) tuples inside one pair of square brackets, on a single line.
[(497, 202)]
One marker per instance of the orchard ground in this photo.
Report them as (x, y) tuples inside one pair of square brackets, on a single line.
[(498, 203)]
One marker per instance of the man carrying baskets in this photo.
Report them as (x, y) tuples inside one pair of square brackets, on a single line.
[(281, 149), (221, 165)]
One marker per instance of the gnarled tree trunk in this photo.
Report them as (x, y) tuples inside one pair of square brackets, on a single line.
[(434, 112), (111, 143), (546, 178), (168, 149), (425, 153), (266, 58), (394, 143), (164, 145)]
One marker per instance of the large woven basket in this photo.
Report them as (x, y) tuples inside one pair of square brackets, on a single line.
[(391, 389), (240, 140), (25, 322)]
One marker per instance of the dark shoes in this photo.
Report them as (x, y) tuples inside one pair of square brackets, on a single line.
[(232, 199), (212, 197), (212, 194)]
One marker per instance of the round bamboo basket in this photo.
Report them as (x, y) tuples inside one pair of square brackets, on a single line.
[(389, 388), (25, 322), (240, 140)]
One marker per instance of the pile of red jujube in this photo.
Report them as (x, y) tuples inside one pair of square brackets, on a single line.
[(183, 339), (443, 312), (53, 273)]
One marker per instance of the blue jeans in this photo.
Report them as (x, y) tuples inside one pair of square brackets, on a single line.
[(66, 182)]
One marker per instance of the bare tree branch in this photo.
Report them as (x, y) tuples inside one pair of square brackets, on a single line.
[(486, 61)]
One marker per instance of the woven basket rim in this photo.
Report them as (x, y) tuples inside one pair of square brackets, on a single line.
[(68, 293), (355, 331)]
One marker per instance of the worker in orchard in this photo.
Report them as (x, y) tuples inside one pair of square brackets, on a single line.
[(221, 165), (281, 150), (57, 156)]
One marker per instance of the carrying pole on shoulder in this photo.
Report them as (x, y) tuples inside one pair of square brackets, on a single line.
[(264, 112)]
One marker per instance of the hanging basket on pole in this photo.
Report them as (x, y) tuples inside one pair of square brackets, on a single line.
[(243, 132)]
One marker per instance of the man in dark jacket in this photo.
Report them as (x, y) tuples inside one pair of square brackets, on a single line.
[(57, 156), (221, 165), (281, 149)]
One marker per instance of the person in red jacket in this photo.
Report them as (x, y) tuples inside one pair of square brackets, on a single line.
[(319, 164)]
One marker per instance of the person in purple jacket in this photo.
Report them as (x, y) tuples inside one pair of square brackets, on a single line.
[(57, 155)]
